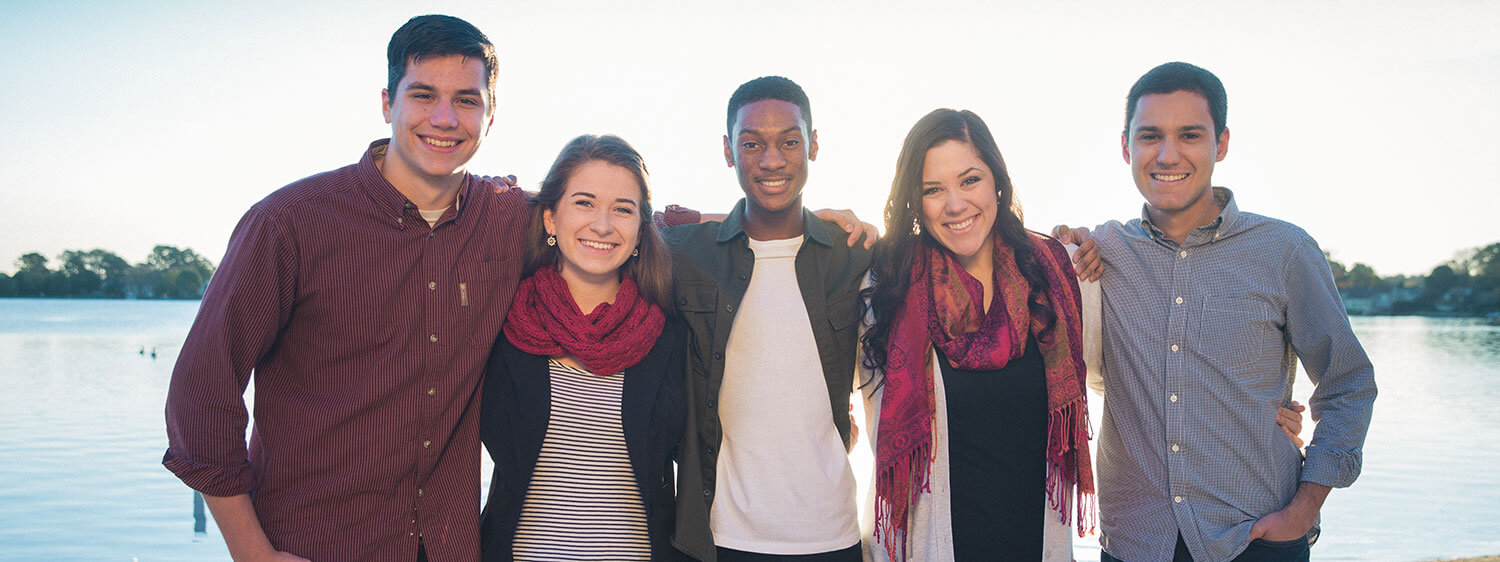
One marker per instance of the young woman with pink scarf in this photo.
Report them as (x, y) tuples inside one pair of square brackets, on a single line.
[(583, 405)]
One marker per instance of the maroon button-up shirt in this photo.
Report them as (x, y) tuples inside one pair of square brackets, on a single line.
[(368, 333)]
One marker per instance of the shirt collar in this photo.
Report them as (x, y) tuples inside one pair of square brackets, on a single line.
[(812, 227), (1221, 226), (387, 197)]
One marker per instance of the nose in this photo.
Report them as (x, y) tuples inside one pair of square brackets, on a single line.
[(1169, 153), (772, 159), (601, 225), (953, 203), (443, 116)]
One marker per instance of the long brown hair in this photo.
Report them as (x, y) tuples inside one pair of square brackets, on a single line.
[(891, 263), (652, 269)]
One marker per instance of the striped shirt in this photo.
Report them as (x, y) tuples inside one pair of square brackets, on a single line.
[(367, 331), (582, 503), (1201, 341)]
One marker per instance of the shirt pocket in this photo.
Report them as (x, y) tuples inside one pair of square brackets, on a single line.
[(485, 290), (1235, 332), (843, 312), (696, 303)]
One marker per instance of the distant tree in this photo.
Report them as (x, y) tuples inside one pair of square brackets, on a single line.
[(1340, 275), (1362, 275), (78, 279), (7, 286), (174, 273), (1439, 282), (111, 268), (31, 275), (1484, 266)]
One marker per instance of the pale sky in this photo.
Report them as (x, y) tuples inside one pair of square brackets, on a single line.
[(1370, 124)]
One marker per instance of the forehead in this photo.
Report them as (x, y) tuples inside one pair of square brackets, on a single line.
[(455, 72), (604, 181), (950, 158), (768, 116), (1177, 109)]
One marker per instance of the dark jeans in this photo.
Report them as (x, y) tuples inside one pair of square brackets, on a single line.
[(851, 554), (1258, 551)]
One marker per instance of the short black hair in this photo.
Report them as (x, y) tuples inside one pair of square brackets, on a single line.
[(1181, 77), (439, 35), (768, 88)]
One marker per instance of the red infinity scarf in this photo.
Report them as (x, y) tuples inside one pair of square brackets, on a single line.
[(945, 308), (544, 320)]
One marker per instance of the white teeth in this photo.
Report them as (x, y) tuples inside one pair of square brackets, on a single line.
[(597, 245), (1168, 177), (961, 225), (439, 143), (777, 183)]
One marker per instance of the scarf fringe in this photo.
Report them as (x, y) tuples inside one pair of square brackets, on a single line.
[(897, 488), (1068, 430)]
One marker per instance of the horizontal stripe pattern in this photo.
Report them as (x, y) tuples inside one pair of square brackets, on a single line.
[(582, 503)]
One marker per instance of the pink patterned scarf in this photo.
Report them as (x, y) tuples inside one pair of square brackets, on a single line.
[(945, 308)]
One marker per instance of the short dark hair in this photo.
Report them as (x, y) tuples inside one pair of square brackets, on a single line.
[(652, 268), (1181, 77), (768, 88), (439, 35)]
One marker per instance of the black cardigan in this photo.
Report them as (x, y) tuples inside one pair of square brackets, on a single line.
[(513, 421)]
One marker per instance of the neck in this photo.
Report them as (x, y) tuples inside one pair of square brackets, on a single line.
[(590, 292), (426, 192), (761, 224), (1177, 225)]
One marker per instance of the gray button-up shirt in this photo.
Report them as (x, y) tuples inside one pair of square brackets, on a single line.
[(1201, 341)]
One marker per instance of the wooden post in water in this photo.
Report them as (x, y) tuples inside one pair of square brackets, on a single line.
[(200, 523)]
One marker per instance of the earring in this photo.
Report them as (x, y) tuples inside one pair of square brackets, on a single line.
[(635, 252), (916, 227), (551, 240)]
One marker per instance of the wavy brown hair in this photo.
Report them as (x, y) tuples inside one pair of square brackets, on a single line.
[(652, 269), (891, 263)]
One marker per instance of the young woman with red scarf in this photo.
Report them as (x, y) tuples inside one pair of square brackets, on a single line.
[(583, 407), (972, 363)]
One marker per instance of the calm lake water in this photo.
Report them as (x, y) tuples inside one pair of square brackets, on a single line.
[(81, 439)]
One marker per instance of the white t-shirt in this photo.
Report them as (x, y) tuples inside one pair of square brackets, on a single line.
[(784, 485)]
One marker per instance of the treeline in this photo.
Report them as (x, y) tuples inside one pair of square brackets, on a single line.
[(168, 272), (1467, 284)]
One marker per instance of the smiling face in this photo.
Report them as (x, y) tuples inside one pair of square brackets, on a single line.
[(1171, 148), (597, 223), (438, 115), (769, 149), (959, 201)]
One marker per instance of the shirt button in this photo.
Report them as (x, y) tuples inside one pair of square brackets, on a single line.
[(432, 285), (682, 301), (432, 391), (1172, 398), (433, 338), (419, 492), (709, 450), (718, 356), (1174, 346), (1179, 300), (728, 308), (428, 445), (743, 277), (712, 403), (1182, 254), (1174, 448), (707, 492), (1177, 499)]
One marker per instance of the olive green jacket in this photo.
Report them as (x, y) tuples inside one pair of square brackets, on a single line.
[(713, 264)]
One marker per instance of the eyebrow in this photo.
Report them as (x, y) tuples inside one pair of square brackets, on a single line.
[(1184, 128), (744, 132), (617, 199), (429, 88), (960, 174)]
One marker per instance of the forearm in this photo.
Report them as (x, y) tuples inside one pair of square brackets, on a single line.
[(241, 528), (1309, 499)]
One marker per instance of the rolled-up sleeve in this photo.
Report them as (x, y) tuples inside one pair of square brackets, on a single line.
[(247, 303), (1344, 397)]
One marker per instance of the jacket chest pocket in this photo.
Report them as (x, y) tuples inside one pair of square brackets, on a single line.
[(484, 291)]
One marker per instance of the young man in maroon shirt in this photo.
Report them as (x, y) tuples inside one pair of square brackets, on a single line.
[(365, 300)]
